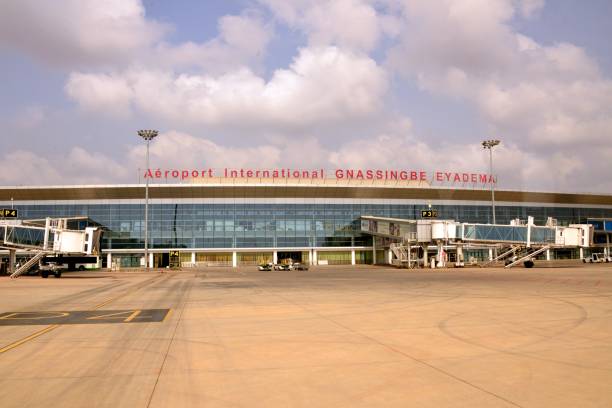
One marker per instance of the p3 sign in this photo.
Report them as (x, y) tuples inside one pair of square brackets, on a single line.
[(8, 213), (429, 213)]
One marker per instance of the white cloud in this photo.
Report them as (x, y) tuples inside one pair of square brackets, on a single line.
[(468, 35), (549, 114), (530, 7), (397, 148), (321, 85), (543, 97), (93, 167), (76, 32), (111, 94), (39, 170), (516, 168), (248, 34), (30, 117), (116, 33), (549, 103), (352, 24), (242, 41), (77, 166), (178, 150)]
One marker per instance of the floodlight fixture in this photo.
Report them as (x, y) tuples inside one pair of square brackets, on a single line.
[(148, 134)]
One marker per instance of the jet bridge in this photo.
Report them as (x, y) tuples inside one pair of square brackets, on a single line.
[(409, 240), (49, 236)]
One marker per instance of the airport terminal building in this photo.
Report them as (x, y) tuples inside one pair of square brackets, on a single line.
[(235, 221)]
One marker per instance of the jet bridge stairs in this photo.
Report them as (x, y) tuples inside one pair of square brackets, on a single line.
[(49, 236), (410, 240)]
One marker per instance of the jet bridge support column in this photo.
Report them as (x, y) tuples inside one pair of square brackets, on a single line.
[(12, 261), (425, 260), (47, 231), (109, 261), (373, 250), (459, 261), (409, 255), (440, 255)]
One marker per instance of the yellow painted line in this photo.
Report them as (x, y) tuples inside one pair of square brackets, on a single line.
[(109, 316), (132, 316), (167, 315), (25, 315), (55, 326), (30, 337), (132, 290), (105, 303)]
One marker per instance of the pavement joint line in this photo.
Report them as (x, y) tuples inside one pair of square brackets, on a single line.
[(106, 302), (398, 351), (178, 320), (55, 326)]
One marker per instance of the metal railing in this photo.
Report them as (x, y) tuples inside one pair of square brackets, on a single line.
[(25, 237)]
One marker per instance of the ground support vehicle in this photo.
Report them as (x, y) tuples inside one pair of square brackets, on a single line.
[(51, 269), (282, 267), (598, 257), (299, 267)]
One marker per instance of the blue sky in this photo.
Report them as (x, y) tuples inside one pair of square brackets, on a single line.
[(407, 84)]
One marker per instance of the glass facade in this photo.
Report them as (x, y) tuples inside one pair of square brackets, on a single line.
[(232, 225)]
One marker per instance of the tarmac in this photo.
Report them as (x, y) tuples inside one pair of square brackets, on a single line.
[(328, 337)]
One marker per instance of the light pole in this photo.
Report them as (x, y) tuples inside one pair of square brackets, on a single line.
[(147, 135), (490, 144)]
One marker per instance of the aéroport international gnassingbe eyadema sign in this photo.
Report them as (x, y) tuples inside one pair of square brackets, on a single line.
[(436, 177)]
